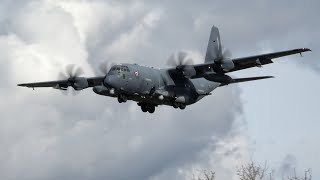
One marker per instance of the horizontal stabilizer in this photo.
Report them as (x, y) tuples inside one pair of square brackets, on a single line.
[(239, 80)]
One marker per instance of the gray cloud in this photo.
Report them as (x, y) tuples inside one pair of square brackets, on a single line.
[(49, 136)]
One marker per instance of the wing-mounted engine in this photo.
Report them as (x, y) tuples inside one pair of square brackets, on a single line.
[(183, 65), (79, 83), (227, 64), (187, 71), (225, 61), (71, 75)]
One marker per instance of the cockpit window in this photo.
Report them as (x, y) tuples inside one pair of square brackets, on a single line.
[(120, 68)]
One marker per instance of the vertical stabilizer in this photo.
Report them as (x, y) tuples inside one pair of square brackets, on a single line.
[(214, 50)]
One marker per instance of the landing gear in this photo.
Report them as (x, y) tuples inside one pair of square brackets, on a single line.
[(182, 106), (179, 105), (147, 108), (122, 98), (144, 108), (175, 105), (151, 109)]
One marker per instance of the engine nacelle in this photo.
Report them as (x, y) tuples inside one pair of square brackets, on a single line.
[(187, 70), (227, 64), (220, 78), (80, 83)]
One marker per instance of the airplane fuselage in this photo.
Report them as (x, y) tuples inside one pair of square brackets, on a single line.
[(151, 86)]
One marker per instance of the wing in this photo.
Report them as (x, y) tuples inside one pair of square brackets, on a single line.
[(62, 84), (245, 62), (259, 60), (199, 70)]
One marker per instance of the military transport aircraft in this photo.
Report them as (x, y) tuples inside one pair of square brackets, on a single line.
[(180, 86)]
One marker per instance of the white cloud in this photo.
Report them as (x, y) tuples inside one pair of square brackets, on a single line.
[(49, 136)]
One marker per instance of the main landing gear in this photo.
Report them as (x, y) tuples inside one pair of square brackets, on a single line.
[(179, 105), (122, 98), (147, 107)]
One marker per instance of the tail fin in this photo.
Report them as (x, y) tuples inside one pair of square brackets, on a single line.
[(214, 50)]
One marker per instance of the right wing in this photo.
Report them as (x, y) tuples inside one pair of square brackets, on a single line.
[(63, 84)]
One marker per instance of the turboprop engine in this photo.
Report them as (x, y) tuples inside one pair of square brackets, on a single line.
[(227, 64), (79, 83)]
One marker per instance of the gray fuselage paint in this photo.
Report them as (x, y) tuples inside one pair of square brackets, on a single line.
[(138, 82)]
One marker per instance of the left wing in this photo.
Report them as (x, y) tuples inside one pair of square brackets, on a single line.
[(200, 70), (80, 83), (246, 62), (239, 63), (259, 60)]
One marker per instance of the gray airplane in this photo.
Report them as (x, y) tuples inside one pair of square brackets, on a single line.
[(180, 86)]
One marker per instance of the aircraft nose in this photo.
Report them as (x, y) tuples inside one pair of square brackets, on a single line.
[(110, 81)]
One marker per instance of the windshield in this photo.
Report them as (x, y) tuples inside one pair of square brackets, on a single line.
[(119, 69)]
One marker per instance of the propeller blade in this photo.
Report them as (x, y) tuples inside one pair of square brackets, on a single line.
[(180, 59), (71, 73), (189, 61), (105, 67), (172, 61), (69, 70), (62, 76), (78, 72), (226, 54)]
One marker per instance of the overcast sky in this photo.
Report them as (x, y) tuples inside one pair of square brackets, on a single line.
[(45, 135)]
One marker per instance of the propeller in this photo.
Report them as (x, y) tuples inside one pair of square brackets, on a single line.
[(225, 61), (105, 67), (183, 63), (71, 74), (226, 54), (179, 59)]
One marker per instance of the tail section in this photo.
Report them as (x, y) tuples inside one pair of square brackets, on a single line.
[(214, 50)]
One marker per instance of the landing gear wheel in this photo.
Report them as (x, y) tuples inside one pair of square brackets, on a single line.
[(175, 105), (122, 98), (144, 108), (119, 99), (182, 106), (151, 109)]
